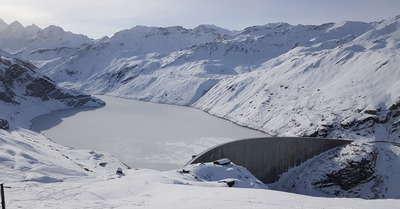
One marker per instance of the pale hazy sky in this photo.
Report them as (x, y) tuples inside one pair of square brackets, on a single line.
[(97, 18)]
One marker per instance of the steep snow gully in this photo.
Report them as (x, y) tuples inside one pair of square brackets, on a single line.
[(336, 80)]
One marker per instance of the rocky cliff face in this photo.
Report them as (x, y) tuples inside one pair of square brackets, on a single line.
[(362, 169), (21, 83), (382, 123)]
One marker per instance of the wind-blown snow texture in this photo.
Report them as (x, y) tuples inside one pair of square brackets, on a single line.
[(332, 80)]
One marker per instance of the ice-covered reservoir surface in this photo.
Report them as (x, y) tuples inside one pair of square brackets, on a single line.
[(141, 134)]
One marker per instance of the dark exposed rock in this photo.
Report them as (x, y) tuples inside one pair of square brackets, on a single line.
[(372, 112), (103, 164), (395, 106), (119, 171), (4, 124), (82, 100), (367, 126), (40, 87), (7, 96), (229, 182), (359, 170), (352, 174), (16, 74)]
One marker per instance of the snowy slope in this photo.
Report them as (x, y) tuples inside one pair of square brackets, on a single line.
[(27, 156), (42, 174), (345, 90)]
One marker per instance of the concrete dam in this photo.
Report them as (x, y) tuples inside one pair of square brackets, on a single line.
[(267, 158)]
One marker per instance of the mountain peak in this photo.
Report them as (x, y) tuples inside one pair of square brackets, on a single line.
[(54, 29), (206, 28), (16, 25), (355, 27), (277, 25), (261, 29), (33, 28)]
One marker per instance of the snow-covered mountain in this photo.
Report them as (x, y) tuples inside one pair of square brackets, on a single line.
[(345, 86), (31, 40), (26, 93), (337, 80), (331, 80)]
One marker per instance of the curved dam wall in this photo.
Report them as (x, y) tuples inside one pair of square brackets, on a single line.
[(267, 158)]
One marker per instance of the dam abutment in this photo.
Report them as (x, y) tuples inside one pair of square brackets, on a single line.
[(267, 158)]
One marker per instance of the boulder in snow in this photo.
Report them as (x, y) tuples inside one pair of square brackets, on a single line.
[(229, 181), (4, 124)]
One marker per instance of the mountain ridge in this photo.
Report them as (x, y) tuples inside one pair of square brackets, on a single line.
[(17, 39), (136, 58), (139, 62)]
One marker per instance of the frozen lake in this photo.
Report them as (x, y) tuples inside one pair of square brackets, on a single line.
[(141, 134)]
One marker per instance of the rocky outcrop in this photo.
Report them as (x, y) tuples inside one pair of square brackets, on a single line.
[(352, 173), (12, 71), (20, 79), (359, 170), (383, 124), (41, 87), (4, 124)]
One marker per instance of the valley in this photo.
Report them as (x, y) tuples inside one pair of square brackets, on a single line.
[(334, 80)]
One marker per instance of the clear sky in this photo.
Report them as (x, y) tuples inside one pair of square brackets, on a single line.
[(97, 18)]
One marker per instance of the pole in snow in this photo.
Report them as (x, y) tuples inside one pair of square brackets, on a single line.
[(3, 201)]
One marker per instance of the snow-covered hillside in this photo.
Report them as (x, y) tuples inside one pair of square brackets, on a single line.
[(345, 86), (26, 93), (338, 80), (331, 80)]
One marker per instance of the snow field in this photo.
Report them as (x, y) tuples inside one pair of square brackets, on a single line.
[(47, 175)]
